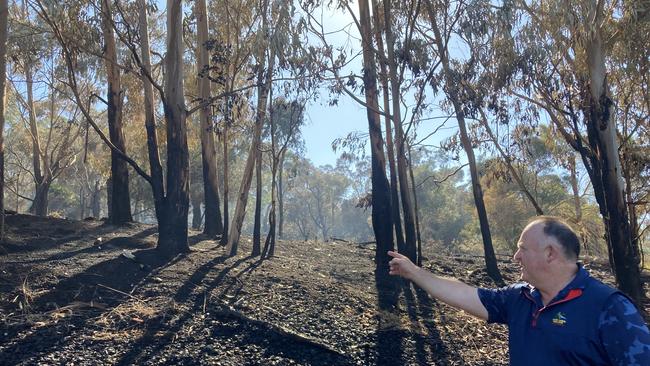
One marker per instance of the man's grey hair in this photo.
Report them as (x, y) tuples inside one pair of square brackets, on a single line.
[(562, 232)]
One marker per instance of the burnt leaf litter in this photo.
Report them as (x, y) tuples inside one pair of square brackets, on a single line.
[(88, 293)]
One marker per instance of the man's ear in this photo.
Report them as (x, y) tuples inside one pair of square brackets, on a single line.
[(552, 252)]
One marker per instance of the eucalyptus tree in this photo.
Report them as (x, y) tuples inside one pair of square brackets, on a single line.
[(213, 221), (444, 17), (382, 224), (265, 64), (396, 77), (171, 198), (120, 201), (285, 120), (390, 149), (569, 47), (231, 46), (53, 124), (4, 15)]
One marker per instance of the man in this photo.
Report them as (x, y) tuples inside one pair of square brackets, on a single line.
[(560, 316)]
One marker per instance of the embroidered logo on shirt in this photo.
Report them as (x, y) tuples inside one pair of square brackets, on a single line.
[(559, 319)]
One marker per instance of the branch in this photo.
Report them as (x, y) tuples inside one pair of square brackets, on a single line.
[(438, 182)]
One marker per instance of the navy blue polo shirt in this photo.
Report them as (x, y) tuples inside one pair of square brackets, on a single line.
[(587, 323)]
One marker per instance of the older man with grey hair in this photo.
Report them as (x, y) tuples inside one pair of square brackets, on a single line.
[(559, 314)]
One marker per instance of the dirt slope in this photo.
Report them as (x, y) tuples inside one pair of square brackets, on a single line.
[(67, 297)]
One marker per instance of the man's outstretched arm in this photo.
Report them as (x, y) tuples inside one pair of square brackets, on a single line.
[(447, 290)]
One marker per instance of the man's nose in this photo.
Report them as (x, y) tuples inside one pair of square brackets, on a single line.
[(515, 257)]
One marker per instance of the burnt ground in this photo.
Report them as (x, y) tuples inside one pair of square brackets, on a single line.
[(68, 298)]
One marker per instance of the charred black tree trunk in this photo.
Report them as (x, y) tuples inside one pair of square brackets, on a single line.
[(172, 222), (395, 202), (381, 201), (41, 199), (120, 211)]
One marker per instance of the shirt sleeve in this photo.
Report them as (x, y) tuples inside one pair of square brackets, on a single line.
[(496, 302), (624, 334)]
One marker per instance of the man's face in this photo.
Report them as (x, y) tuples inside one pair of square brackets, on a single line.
[(531, 253)]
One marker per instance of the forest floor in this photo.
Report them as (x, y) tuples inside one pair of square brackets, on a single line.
[(67, 297)]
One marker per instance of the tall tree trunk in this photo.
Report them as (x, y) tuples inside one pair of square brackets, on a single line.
[(575, 190), (33, 128), (40, 203), (257, 221), (213, 221), (264, 80), (4, 13), (226, 177), (601, 131), (381, 223), (172, 224), (157, 186), (195, 200), (120, 212), (269, 244), (95, 200), (452, 93), (383, 75), (417, 211), (281, 196), (82, 203), (407, 206)]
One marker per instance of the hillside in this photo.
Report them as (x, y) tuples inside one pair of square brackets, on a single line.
[(68, 297)]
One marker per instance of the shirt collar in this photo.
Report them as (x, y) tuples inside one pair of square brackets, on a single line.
[(578, 282)]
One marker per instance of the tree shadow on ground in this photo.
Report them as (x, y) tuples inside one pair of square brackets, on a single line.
[(223, 326), (37, 234), (388, 346), (429, 347), (182, 295), (97, 289), (393, 342), (131, 242)]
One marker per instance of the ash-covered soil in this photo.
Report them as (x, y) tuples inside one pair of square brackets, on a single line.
[(67, 297)]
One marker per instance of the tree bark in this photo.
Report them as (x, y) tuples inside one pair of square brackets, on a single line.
[(172, 224), (4, 14), (417, 211), (269, 243), (381, 202), (601, 132), (41, 186), (120, 212), (257, 221), (195, 200), (41, 201), (383, 75), (213, 220), (407, 206), (226, 177), (281, 196), (95, 200), (155, 166)]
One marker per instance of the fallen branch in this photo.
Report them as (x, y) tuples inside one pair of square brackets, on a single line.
[(338, 239), (301, 338)]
